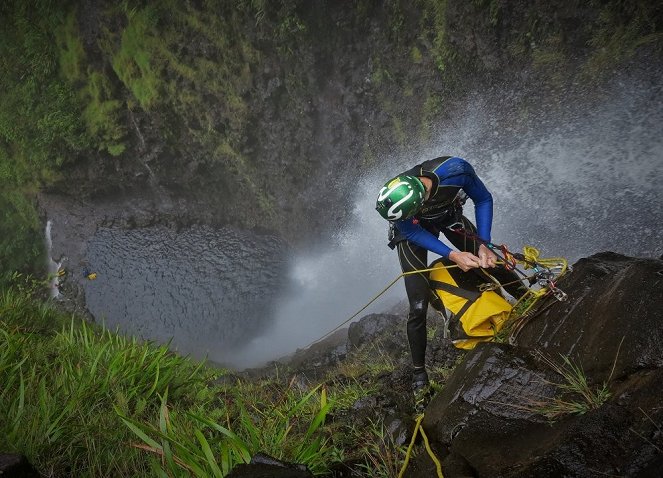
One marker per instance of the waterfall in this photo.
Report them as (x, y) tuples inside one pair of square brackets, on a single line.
[(584, 182), (52, 266)]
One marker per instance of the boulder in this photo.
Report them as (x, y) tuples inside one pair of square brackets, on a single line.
[(612, 300), (489, 418), (265, 466), (371, 327), (16, 466)]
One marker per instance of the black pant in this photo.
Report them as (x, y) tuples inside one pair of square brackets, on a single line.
[(413, 257)]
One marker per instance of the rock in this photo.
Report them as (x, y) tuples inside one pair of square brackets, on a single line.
[(319, 357), (265, 466), (400, 428), (612, 316), (488, 420), (370, 327), (16, 466)]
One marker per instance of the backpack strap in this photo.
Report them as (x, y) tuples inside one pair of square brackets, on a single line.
[(470, 296)]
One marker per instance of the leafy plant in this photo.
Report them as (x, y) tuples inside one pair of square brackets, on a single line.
[(202, 447), (62, 380)]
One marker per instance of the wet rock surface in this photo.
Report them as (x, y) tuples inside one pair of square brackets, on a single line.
[(612, 316), (16, 466), (489, 419), (265, 466)]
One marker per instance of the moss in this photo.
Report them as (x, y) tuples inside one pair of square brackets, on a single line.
[(71, 53), (380, 74), (431, 109), (415, 55), (621, 28), (134, 62), (551, 60), (492, 8), (102, 114), (434, 27)]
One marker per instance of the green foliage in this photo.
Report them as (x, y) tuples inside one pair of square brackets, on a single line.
[(577, 395), (492, 8), (71, 53), (290, 428), (135, 63), (86, 402), (434, 27), (62, 382), (382, 457), (102, 114), (20, 234), (40, 123), (621, 28), (41, 127)]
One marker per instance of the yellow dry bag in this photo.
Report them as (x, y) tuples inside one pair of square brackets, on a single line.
[(477, 316)]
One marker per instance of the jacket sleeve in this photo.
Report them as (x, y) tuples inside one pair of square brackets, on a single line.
[(458, 172), (421, 237), (483, 203)]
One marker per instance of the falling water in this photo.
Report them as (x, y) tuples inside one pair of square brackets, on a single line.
[(51, 265), (583, 182)]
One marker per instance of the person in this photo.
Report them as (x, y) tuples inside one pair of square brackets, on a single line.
[(420, 204)]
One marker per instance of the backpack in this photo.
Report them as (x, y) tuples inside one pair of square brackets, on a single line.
[(477, 316)]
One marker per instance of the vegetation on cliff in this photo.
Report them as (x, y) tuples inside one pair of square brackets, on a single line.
[(220, 96), (202, 97)]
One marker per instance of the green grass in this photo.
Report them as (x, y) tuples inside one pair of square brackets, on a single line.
[(134, 63), (575, 393), (85, 401), (63, 381), (195, 444)]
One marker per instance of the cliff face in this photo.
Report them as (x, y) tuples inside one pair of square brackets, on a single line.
[(258, 111)]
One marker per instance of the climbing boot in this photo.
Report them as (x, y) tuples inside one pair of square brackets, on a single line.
[(421, 388)]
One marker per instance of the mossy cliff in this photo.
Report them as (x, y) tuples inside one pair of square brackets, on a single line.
[(254, 110)]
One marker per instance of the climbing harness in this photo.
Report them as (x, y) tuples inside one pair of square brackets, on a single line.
[(418, 428)]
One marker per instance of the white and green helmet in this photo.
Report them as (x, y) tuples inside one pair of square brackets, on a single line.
[(400, 198)]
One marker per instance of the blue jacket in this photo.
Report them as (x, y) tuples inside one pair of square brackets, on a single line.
[(450, 175)]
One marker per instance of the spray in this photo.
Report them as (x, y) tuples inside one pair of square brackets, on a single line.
[(572, 184)]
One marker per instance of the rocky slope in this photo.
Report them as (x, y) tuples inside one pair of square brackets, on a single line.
[(510, 410)]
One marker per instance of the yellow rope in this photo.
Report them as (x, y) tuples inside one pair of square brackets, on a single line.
[(418, 271), (532, 256), (408, 453)]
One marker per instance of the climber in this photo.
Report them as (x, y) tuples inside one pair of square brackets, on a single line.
[(420, 204)]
